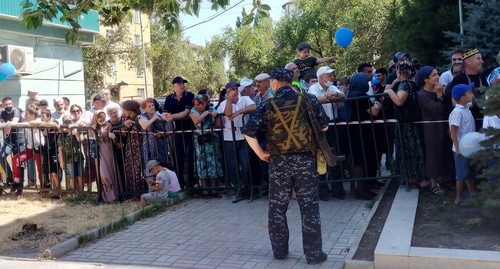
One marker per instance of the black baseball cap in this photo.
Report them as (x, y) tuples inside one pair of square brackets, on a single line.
[(179, 79)]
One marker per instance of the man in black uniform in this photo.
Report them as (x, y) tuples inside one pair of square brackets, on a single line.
[(292, 165)]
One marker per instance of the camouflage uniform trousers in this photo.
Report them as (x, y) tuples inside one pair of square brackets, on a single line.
[(296, 171)]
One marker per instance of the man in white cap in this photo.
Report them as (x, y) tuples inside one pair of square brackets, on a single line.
[(326, 92), (264, 91), (246, 88), (164, 184)]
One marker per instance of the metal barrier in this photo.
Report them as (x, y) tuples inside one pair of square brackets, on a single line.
[(204, 158)]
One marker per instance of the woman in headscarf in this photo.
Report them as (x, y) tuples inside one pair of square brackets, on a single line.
[(409, 148), (107, 166), (363, 153), (132, 142), (437, 152)]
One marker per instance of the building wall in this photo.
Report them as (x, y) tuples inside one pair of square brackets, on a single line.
[(58, 70), (125, 73)]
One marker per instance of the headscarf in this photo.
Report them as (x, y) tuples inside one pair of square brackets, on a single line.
[(358, 85), (406, 69), (423, 74)]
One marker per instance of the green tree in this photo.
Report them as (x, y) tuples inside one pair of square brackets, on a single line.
[(114, 12), (98, 59), (480, 31), (250, 49), (174, 56), (316, 22), (489, 196)]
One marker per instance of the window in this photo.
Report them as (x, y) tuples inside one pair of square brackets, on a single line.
[(140, 93), (137, 40), (110, 33), (136, 16)]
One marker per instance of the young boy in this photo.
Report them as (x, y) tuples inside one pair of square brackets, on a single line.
[(461, 122), (305, 63), (164, 185)]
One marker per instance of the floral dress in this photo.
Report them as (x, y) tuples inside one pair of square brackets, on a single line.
[(154, 148), (132, 141), (409, 146), (207, 148)]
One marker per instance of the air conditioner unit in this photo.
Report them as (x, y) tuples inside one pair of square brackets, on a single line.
[(21, 57)]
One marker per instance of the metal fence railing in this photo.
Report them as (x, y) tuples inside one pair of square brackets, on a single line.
[(210, 163)]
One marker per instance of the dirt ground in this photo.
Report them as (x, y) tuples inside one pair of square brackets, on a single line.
[(32, 223), (372, 233), (442, 224), (438, 224)]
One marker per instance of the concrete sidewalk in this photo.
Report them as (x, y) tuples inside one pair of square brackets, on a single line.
[(219, 234)]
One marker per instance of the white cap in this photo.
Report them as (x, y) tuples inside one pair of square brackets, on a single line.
[(262, 77), (324, 70), (244, 82)]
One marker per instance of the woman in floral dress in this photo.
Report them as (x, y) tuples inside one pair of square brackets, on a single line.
[(206, 145)]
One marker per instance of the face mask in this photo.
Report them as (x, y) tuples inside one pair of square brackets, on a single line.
[(329, 83), (469, 104), (9, 109)]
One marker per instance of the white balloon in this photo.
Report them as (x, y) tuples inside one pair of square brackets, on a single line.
[(471, 143)]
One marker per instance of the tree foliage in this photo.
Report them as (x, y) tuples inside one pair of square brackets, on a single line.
[(489, 196), (250, 49), (174, 56), (98, 58), (114, 12), (480, 31), (417, 28)]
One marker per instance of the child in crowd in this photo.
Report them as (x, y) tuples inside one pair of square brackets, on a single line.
[(461, 122), (34, 141), (70, 155), (305, 63), (163, 186)]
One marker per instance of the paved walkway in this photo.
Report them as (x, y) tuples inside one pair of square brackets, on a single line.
[(219, 234)]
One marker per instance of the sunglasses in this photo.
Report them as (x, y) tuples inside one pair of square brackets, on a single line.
[(75, 111)]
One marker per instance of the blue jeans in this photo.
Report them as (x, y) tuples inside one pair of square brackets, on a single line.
[(237, 161)]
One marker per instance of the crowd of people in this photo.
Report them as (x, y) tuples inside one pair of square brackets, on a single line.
[(204, 145), (260, 138)]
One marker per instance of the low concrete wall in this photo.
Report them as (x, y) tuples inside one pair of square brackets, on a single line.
[(394, 250)]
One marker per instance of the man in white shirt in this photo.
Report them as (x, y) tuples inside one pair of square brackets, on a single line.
[(326, 92), (60, 112), (447, 77), (235, 109)]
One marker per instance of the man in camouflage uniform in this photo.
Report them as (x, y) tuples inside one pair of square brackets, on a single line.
[(292, 165)]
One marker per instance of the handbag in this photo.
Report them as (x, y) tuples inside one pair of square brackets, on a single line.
[(410, 111), (204, 138)]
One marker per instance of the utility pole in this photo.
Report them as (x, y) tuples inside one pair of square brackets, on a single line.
[(143, 56)]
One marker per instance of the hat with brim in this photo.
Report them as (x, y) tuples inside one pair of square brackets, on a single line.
[(179, 80), (231, 84), (324, 70), (460, 89), (282, 74), (262, 77), (400, 55), (151, 164)]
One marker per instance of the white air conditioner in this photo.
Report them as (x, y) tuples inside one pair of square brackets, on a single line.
[(21, 57)]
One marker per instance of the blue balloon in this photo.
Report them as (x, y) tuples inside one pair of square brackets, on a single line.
[(2, 76), (8, 69), (343, 36), (374, 79)]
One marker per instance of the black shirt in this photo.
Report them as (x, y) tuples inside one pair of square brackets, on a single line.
[(173, 105), (306, 66)]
